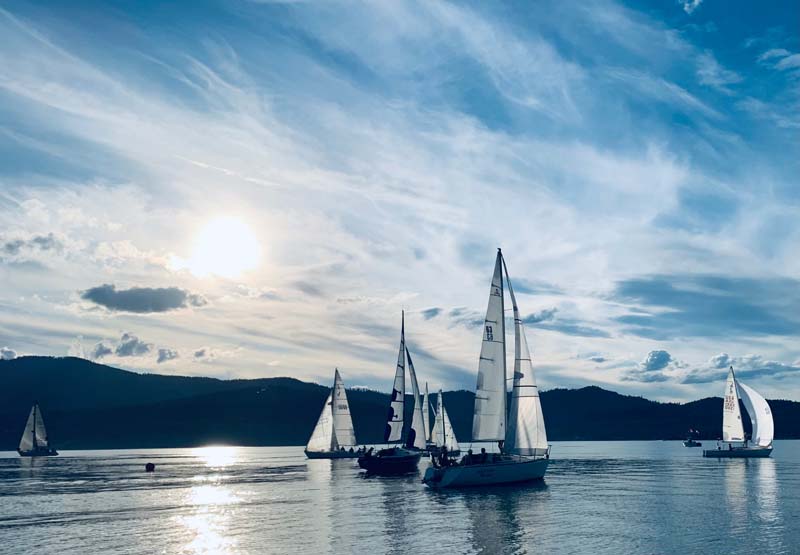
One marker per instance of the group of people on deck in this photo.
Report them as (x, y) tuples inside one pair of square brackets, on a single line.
[(444, 459)]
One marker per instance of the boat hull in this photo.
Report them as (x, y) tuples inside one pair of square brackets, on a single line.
[(692, 443), (738, 453), (391, 462), (333, 454), (38, 453), (510, 471)]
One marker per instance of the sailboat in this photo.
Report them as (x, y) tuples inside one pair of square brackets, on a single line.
[(34, 441), (442, 434), (522, 439), (333, 436), (399, 459), (732, 429), (426, 407)]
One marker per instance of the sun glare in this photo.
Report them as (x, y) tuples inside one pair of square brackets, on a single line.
[(224, 247)]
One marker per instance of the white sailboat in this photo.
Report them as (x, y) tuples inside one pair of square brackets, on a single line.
[(738, 446), (333, 436), (521, 437), (442, 434), (399, 459), (34, 442)]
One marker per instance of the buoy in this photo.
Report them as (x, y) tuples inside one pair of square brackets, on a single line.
[(150, 467)]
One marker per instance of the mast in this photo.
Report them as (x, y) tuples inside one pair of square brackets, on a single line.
[(489, 417), (394, 420)]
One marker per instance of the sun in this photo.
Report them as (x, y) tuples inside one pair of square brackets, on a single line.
[(224, 247)]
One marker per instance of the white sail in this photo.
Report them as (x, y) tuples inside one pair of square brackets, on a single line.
[(342, 421), (394, 420), (41, 431), (323, 438), (489, 418), (442, 432), (416, 434), (26, 443), (425, 414), (526, 433), (760, 416), (732, 429)]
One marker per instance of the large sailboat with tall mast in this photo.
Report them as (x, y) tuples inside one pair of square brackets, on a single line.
[(520, 433), (738, 446), (403, 457), (34, 441), (333, 436)]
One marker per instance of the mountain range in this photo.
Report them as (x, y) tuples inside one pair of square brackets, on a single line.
[(92, 406)]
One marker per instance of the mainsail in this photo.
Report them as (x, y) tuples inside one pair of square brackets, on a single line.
[(323, 437), (526, 433), (394, 420), (416, 434), (442, 433), (489, 418), (760, 416), (344, 433), (425, 416), (732, 429)]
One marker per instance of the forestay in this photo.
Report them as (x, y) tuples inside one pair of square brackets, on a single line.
[(342, 421), (323, 437), (760, 416), (526, 432), (442, 432), (732, 429), (416, 434), (394, 420), (489, 418)]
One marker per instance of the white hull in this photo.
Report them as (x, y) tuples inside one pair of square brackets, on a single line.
[(508, 471)]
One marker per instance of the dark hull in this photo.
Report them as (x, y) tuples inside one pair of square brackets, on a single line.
[(38, 453), (332, 454), (692, 443), (739, 453), (392, 464)]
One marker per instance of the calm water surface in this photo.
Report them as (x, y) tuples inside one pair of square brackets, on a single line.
[(598, 497)]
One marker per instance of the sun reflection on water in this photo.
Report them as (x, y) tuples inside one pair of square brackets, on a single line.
[(217, 456)]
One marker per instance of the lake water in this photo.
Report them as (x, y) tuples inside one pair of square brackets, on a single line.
[(598, 497)]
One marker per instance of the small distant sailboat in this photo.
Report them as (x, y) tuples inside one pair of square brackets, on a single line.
[(732, 429), (442, 434), (690, 441), (399, 460), (34, 442), (521, 436), (333, 436)]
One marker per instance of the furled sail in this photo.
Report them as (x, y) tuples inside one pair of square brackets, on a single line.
[(323, 437), (526, 433), (489, 418), (342, 421), (425, 414), (732, 429), (442, 432), (27, 442), (394, 420), (760, 415), (416, 434)]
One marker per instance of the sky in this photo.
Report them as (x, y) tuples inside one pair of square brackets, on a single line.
[(255, 189)]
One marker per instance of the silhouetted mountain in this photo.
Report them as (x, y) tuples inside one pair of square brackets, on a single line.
[(89, 405)]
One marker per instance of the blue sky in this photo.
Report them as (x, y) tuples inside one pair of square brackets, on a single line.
[(637, 162)]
